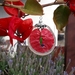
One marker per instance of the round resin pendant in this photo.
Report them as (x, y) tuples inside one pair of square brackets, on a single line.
[(41, 40)]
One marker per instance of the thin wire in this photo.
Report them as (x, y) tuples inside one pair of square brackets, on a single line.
[(40, 20)]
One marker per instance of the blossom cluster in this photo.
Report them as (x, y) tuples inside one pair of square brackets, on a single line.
[(14, 26), (11, 26)]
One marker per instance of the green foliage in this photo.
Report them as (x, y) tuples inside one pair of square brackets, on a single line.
[(27, 63), (32, 7), (61, 15)]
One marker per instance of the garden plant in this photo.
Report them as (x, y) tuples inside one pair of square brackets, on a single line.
[(26, 62)]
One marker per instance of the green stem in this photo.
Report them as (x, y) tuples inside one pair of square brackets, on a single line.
[(41, 40)]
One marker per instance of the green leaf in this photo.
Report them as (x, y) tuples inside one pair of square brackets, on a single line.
[(61, 15), (40, 40), (32, 7)]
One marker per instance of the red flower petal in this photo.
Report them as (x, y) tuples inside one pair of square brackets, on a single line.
[(72, 7), (13, 11), (26, 28), (13, 26), (3, 32), (48, 41), (4, 24), (23, 27)]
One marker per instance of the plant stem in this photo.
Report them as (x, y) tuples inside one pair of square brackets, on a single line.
[(44, 5), (53, 3), (10, 5), (6, 72)]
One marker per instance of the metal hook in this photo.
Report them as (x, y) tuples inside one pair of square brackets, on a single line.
[(40, 20)]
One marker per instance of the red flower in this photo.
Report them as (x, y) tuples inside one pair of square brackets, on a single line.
[(13, 11), (13, 26), (4, 23), (71, 4), (9, 26), (23, 27)]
